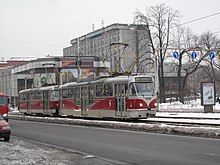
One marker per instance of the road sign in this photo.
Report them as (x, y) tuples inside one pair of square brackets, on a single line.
[(212, 55), (193, 55), (176, 54)]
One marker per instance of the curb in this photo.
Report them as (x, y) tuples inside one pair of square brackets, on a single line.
[(208, 132)]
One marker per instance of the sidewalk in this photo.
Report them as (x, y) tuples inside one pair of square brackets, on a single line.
[(25, 152)]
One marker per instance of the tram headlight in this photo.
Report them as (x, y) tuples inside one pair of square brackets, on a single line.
[(141, 104), (153, 104)]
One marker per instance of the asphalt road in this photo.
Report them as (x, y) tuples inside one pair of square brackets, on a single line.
[(125, 146)]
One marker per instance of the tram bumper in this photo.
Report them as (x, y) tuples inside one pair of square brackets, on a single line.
[(141, 113)]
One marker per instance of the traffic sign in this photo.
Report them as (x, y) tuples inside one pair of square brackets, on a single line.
[(193, 55), (176, 54), (212, 55)]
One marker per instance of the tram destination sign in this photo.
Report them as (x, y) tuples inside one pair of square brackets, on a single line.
[(143, 79)]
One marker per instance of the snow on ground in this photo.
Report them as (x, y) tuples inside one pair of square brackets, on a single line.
[(188, 115), (193, 106), (25, 152)]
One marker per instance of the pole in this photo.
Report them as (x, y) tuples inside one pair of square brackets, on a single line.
[(137, 49), (78, 58)]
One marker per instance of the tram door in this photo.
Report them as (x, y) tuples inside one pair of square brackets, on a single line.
[(84, 100), (28, 105), (120, 95), (46, 102)]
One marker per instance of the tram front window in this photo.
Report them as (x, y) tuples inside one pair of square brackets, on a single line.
[(141, 89)]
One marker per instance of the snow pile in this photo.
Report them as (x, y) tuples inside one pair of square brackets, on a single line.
[(189, 106), (189, 115)]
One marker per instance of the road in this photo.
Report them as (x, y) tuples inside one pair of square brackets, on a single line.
[(125, 146)]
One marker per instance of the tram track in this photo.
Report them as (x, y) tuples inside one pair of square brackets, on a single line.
[(182, 123), (176, 121), (187, 121)]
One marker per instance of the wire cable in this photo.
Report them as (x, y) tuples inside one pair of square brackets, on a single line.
[(198, 19), (32, 43)]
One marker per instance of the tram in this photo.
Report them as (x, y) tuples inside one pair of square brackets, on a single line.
[(4, 101), (110, 97), (123, 97), (38, 101)]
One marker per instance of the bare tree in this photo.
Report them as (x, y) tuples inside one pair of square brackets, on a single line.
[(159, 20), (211, 42), (187, 43)]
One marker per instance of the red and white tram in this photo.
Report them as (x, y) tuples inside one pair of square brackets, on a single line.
[(4, 108), (114, 97), (125, 97), (42, 100)]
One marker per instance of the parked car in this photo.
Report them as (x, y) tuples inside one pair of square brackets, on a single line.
[(4, 129)]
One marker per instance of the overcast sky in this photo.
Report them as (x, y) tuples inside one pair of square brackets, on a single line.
[(36, 28)]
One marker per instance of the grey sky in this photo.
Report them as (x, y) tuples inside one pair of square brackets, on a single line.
[(53, 23)]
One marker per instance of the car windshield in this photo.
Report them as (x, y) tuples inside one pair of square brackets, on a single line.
[(141, 89), (3, 100)]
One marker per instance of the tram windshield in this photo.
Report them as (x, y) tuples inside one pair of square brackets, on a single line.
[(54, 95), (141, 89)]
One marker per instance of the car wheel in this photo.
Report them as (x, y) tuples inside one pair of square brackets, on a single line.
[(6, 139)]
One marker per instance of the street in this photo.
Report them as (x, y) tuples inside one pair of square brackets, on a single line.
[(124, 146)]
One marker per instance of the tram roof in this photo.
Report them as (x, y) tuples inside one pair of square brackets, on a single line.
[(104, 79), (40, 88)]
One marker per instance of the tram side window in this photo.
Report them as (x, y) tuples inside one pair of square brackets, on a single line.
[(71, 93), (36, 95), (40, 95), (77, 95), (65, 93), (54, 95), (31, 96), (99, 91), (3, 100), (108, 88), (91, 94), (23, 96)]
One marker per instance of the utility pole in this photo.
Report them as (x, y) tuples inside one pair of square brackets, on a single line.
[(137, 49)]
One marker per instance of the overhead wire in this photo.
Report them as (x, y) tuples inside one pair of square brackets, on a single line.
[(32, 43), (198, 19)]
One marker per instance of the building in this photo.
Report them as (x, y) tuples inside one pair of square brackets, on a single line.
[(8, 80), (123, 45), (50, 70)]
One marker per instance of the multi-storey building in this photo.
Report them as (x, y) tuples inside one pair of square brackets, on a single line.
[(121, 44), (17, 75)]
